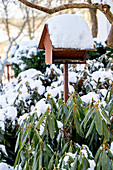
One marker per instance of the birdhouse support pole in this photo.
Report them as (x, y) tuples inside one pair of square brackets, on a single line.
[(65, 82)]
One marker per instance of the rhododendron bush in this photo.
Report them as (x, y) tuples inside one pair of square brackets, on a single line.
[(39, 131)]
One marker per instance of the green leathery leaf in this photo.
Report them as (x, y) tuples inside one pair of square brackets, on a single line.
[(87, 118), (53, 104), (41, 119), (35, 160), (40, 157), (65, 148), (74, 167), (18, 154), (76, 112), (24, 141), (91, 128), (70, 149), (85, 163), (51, 163), (17, 142), (80, 158), (112, 166), (67, 119), (65, 110), (31, 134), (17, 157), (37, 134), (56, 126), (48, 150), (98, 123), (106, 164), (45, 130), (92, 137), (51, 125), (77, 126), (98, 154), (106, 132), (100, 160), (56, 161), (105, 115)]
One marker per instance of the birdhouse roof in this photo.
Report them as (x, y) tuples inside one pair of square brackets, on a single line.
[(68, 31)]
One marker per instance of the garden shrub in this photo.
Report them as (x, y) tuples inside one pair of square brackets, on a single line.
[(100, 50), (26, 55), (67, 136), (50, 133)]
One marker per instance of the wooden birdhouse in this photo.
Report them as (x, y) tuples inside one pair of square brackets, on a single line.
[(66, 39)]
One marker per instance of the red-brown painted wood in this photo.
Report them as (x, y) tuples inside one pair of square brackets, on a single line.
[(65, 82)]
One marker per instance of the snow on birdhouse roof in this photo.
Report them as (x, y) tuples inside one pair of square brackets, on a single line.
[(69, 31)]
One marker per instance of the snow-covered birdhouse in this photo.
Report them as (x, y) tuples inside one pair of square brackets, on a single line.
[(66, 39)]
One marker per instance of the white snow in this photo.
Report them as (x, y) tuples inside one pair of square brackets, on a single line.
[(32, 51), (87, 148), (2, 114), (30, 43), (88, 97), (22, 118), (41, 130), (24, 48), (84, 153), (11, 112), (69, 154), (60, 125), (102, 75), (40, 107), (104, 92), (72, 77), (4, 166), (111, 148), (57, 70), (12, 50), (2, 147), (37, 84), (92, 164), (58, 90), (29, 73), (69, 31)]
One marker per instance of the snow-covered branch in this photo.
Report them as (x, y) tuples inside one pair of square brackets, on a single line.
[(104, 8), (4, 62)]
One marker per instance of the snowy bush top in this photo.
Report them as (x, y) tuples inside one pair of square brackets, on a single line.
[(24, 48), (69, 31)]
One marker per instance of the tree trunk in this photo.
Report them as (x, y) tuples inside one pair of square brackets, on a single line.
[(94, 22)]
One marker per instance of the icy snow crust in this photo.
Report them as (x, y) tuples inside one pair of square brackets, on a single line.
[(69, 31)]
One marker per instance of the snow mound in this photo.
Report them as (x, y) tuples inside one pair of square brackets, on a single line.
[(69, 31)]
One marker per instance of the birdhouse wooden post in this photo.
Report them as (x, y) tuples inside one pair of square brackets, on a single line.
[(59, 38)]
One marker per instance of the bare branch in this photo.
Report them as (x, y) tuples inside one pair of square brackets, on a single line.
[(105, 9), (13, 39)]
